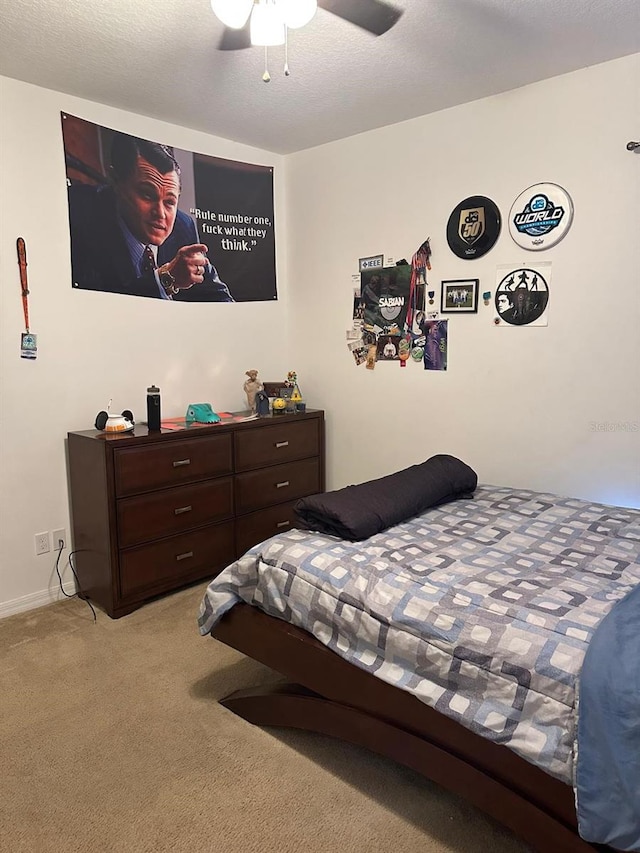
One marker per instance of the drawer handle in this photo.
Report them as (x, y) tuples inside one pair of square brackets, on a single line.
[(283, 524), (282, 444), (182, 509), (181, 462), (282, 485), (184, 556)]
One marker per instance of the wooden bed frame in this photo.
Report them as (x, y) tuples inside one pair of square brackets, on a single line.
[(333, 697)]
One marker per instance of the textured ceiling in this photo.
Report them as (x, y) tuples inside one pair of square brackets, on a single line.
[(160, 59)]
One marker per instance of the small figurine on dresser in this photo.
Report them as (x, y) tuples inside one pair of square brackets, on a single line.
[(295, 397), (251, 387)]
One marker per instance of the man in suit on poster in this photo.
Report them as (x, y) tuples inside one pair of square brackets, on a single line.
[(506, 308), (129, 236)]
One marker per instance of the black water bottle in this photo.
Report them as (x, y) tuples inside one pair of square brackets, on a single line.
[(153, 408)]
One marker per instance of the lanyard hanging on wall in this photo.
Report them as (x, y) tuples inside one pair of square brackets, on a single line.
[(28, 341)]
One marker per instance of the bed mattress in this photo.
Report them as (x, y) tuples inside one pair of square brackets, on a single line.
[(483, 608)]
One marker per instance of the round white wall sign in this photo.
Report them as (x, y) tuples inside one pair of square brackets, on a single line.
[(540, 216)]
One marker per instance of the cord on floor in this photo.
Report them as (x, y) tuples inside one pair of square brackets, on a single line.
[(79, 594)]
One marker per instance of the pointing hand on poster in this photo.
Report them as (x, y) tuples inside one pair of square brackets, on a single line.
[(187, 267)]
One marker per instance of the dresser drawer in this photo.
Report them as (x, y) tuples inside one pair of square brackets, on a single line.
[(270, 445), (168, 561), (150, 516), (258, 526), (153, 466), (280, 483)]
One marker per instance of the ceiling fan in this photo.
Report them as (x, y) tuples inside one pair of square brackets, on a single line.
[(264, 22)]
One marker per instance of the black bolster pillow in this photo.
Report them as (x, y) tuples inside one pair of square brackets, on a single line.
[(357, 512)]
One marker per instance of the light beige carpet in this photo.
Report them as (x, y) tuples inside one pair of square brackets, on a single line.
[(111, 739)]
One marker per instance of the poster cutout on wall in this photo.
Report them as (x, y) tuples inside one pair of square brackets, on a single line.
[(522, 295), (388, 347), (147, 219), (385, 296), (435, 344)]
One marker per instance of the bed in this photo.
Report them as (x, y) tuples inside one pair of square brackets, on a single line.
[(457, 641)]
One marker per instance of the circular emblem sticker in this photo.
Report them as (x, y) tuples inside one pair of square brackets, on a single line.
[(540, 216), (473, 227)]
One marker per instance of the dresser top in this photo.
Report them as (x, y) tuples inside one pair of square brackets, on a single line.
[(239, 420)]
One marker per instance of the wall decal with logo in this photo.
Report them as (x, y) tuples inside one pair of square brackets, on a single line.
[(148, 219), (374, 262), (540, 216), (473, 227)]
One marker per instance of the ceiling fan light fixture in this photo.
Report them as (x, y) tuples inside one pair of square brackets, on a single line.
[(267, 26), (297, 13), (233, 13)]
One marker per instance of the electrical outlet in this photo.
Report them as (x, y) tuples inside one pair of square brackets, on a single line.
[(41, 541), (59, 536)]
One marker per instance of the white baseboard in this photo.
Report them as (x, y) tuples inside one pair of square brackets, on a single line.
[(35, 599)]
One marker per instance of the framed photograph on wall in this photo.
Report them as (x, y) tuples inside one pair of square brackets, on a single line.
[(459, 296)]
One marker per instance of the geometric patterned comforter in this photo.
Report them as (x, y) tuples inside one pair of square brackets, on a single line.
[(482, 608)]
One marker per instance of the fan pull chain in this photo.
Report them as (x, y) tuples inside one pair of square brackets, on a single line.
[(286, 52), (266, 76)]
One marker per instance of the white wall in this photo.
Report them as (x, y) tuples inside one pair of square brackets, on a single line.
[(96, 346), (517, 404)]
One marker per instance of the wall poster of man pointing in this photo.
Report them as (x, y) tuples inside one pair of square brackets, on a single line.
[(148, 219)]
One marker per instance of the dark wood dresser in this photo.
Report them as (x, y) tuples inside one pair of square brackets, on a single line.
[(154, 511)]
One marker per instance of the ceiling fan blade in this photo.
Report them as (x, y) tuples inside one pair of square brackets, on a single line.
[(235, 39), (376, 16)]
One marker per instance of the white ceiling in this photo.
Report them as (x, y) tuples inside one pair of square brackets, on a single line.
[(160, 59)]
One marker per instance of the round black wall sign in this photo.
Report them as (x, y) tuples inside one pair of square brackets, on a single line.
[(473, 227)]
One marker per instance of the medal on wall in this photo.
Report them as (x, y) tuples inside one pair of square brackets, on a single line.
[(540, 216), (473, 227)]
